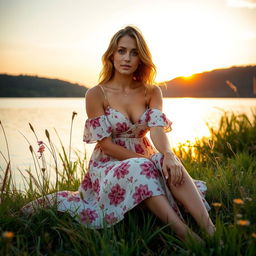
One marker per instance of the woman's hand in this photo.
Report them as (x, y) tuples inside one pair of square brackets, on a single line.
[(173, 169)]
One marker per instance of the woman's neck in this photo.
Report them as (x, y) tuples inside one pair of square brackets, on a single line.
[(123, 82)]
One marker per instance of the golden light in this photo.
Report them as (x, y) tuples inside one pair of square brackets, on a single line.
[(188, 77)]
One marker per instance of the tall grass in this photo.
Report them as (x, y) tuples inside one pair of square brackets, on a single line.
[(226, 161)]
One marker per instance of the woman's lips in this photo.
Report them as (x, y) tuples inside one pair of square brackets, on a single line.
[(125, 66)]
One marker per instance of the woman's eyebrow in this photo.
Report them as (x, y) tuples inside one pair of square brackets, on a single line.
[(123, 47)]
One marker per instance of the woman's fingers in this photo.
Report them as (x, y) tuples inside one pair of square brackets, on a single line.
[(165, 171), (176, 175), (179, 176)]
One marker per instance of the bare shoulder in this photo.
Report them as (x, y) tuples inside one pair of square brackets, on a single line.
[(155, 91), (156, 97), (94, 92), (94, 100)]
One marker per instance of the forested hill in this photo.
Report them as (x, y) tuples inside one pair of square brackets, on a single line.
[(33, 86), (229, 82)]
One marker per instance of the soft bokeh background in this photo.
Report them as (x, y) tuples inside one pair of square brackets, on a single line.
[(65, 39)]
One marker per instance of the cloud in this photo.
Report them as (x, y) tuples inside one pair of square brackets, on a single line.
[(242, 3)]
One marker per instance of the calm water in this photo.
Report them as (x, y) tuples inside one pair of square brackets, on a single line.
[(189, 117)]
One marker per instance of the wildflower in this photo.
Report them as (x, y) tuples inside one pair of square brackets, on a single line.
[(8, 235), (254, 235), (216, 205), (248, 199), (41, 148), (243, 222), (238, 201)]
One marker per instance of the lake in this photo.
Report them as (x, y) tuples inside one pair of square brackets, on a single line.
[(189, 117)]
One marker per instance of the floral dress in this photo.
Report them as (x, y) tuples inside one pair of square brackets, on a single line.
[(112, 187)]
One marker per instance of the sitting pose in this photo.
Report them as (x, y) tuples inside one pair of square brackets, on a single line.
[(125, 170)]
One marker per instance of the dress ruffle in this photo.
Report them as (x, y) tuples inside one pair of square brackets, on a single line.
[(155, 117), (96, 129)]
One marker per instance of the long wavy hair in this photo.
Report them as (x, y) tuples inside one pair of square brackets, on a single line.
[(145, 72)]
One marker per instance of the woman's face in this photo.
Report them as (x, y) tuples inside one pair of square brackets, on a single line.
[(126, 58)]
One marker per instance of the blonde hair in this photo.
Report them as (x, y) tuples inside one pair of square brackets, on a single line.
[(145, 72)]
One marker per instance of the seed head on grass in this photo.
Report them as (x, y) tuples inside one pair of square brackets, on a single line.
[(31, 148), (73, 115), (254, 235), (31, 127), (47, 134)]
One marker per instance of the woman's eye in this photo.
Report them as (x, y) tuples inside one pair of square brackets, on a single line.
[(134, 53), (121, 51)]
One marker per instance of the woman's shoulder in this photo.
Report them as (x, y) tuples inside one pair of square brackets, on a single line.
[(94, 92), (154, 90)]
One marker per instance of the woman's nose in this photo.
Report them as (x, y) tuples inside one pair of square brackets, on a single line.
[(127, 56)]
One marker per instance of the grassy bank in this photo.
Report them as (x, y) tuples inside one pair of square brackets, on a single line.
[(226, 161)]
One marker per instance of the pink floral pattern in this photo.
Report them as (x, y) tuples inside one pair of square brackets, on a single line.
[(88, 215), (141, 192), (121, 127), (87, 183), (74, 199), (138, 149), (110, 218), (96, 186), (116, 195), (120, 143), (149, 170), (95, 122), (112, 187), (121, 170)]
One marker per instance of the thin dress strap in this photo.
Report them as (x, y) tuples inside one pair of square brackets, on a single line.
[(105, 96), (146, 97)]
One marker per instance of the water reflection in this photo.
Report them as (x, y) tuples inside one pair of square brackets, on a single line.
[(189, 117)]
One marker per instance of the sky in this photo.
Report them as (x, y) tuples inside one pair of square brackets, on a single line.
[(65, 39)]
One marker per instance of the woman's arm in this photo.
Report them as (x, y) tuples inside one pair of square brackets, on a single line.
[(171, 164), (94, 100)]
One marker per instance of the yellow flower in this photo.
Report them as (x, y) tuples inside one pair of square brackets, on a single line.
[(254, 235), (238, 201), (243, 222), (8, 235), (216, 205)]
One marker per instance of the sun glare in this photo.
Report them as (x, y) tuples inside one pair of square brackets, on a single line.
[(188, 77)]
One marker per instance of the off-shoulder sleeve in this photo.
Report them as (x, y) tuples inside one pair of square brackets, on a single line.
[(155, 117), (96, 129)]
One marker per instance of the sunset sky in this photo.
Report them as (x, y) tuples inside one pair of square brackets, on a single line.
[(65, 39)]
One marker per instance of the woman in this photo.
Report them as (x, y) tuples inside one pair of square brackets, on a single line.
[(125, 170)]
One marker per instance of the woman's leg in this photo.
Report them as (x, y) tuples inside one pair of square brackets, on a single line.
[(189, 196), (160, 206)]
